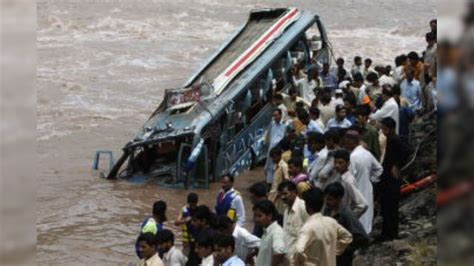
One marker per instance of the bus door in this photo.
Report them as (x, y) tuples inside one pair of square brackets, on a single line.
[(320, 48), (193, 165)]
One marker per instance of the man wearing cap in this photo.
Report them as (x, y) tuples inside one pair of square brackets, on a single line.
[(339, 96), (366, 169), (395, 154), (340, 121)]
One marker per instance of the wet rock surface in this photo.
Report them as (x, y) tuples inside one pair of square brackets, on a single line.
[(417, 237)]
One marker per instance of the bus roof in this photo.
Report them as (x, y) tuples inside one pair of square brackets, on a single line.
[(191, 117)]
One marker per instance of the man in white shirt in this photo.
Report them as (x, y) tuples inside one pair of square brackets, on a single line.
[(328, 174), (389, 108), (399, 73), (205, 249), (430, 58), (147, 249), (272, 248), (275, 134), (318, 156), (366, 169), (305, 85), (171, 255), (431, 62), (368, 67), (339, 95), (279, 102), (360, 87), (357, 67), (245, 242), (224, 251), (294, 216), (321, 238), (384, 77), (327, 107)]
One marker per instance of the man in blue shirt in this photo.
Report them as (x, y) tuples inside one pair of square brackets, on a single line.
[(328, 77), (411, 90), (229, 201), (311, 125), (224, 251), (274, 135), (340, 121)]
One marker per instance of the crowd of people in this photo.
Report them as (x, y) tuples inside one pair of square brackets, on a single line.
[(336, 145)]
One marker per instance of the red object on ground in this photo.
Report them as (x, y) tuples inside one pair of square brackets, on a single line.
[(447, 196), (409, 188)]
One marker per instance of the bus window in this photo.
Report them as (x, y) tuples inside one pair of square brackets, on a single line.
[(281, 71), (267, 86), (319, 49), (300, 53), (257, 99), (261, 92), (237, 118), (277, 69), (288, 66)]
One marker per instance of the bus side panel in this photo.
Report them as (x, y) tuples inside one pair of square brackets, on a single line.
[(264, 118), (247, 145), (243, 164)]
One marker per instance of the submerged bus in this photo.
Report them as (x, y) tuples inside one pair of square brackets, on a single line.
[(216, 122)]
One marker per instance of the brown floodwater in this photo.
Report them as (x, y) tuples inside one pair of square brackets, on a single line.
[(102, 68)]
